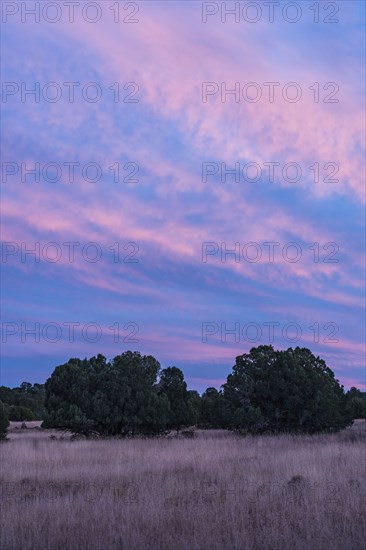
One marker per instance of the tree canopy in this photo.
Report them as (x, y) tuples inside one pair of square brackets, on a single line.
[(289, 390), (25, 402), (173, 386), (125, 396), (4, 421), (267, 391)]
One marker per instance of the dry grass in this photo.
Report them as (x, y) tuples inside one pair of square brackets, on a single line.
[(213, 492)]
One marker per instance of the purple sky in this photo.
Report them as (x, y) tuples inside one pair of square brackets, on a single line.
[(157, 147)]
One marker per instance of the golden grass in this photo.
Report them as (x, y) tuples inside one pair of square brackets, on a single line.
[(214, 492)]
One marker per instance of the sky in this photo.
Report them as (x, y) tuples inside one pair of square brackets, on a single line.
[(184, 179)]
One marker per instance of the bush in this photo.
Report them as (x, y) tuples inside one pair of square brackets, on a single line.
[(284, 391), (19, 413), (4, 421), (117, 397), (356, 403)]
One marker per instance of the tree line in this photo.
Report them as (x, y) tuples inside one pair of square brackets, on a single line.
[(25, 402), (267, 391)]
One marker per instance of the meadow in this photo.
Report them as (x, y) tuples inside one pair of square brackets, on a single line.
[(215, 491)]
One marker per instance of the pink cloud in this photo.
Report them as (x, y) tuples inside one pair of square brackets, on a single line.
[(261, 132)]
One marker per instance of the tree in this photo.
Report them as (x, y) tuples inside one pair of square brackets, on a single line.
[(68, 399), (356, 403), (119, 397), (19, 413), (4, 421), (136, 402), (290, 390), (195, 406), (172, 385), (212, 410), (26, 395), (26, 387)]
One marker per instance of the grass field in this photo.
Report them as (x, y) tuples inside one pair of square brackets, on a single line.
[(216, 491)]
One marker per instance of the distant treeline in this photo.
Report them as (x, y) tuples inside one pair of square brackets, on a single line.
[(267, 391), (25, 402)]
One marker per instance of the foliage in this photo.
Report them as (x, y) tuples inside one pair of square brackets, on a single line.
[(26, 395), (18, 413), (356, 403), (267, 391), (4, 421), (173, 386), (195, 406), (212, 409), (291, 391), (119, 397)]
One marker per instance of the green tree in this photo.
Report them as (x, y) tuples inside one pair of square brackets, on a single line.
[(26, 395), (68, 399), (356, 403), (172, 385), (26, 387), (195, 407), (137, 405), (119, 397), (4, 421), (212, 410), (19, 413), (288, 390)]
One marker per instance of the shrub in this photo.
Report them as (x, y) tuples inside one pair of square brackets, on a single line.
[(284, 391), (18, 413), (4, 421)]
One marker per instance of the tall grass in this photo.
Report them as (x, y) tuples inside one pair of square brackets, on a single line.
[(215, 491)]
